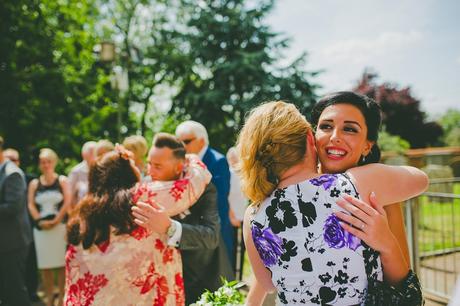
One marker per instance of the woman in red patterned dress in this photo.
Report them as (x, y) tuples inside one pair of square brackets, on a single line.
[(112, 261)]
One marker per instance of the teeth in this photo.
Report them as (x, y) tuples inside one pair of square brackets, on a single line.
[(336, 152)]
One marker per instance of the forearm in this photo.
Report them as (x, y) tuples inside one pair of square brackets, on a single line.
[(256, 294), (395, 266), (34, 212)]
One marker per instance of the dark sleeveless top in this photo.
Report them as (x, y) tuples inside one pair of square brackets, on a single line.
[(49, 198)]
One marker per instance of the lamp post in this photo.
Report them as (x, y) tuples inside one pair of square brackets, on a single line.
[(119, 78)]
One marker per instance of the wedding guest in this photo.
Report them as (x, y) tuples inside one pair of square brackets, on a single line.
[(48, 201), (15, 233), (124, 263), (195, 137), (197, 232), (78, 176), (293, 225), (138, 145)]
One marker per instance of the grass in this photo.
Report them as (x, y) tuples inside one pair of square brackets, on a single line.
[(439, 222)]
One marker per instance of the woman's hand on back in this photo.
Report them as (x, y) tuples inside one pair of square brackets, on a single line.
[(367, 222)]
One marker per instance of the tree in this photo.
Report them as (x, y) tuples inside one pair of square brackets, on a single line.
[(233, 60), (401, 112), (391, 143), (51, 90), (450, 123), (149, 50)]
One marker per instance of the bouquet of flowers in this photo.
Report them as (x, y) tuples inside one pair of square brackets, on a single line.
[(227, 295)]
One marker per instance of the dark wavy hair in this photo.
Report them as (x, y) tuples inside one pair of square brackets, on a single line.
[(369, 108), (108, 202)]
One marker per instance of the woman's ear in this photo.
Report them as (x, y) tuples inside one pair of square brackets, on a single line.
[(311, 141), (368, 147)]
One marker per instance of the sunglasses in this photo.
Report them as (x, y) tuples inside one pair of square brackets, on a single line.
[(187, 141)]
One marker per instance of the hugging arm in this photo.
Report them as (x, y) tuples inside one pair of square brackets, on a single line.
[(369, 223), (263, 277)]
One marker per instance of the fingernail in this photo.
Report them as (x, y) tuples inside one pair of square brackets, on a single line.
[(372, 194)]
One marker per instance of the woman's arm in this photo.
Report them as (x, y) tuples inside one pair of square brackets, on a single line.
[(261, 273), (391, 184), (396, 223), (369, 223), (31, 200), (67, 194), (256, 294), (176, 196)]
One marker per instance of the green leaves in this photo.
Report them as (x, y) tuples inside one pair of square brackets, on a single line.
[(227, 295)]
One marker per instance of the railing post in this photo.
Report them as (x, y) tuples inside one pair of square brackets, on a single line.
[(412, 221)]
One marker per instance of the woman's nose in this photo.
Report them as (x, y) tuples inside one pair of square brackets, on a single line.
[(335, 137)]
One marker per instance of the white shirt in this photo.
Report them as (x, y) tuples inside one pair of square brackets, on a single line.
[(236, 199)]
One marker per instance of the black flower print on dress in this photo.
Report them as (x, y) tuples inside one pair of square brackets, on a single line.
[(307, 209), (335, 193), (341, 277), (306, 265), (290, 250), (280, 214)]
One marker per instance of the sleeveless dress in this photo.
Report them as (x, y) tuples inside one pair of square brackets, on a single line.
[(313, 260), (50, 244)]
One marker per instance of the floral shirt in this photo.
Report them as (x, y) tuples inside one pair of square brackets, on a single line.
[(136, 269), (313, 260), (176, 196), (139, 268)]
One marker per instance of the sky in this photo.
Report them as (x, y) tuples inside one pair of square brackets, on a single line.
[(413, 43)]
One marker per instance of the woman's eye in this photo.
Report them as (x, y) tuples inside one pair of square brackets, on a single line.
[(350, 129), (325, 126)]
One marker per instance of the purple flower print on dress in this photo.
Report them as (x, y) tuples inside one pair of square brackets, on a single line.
[(326, 180), (267, 243), (336, 237)]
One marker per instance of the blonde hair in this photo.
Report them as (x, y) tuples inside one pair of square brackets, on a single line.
[(273, 139), (47, 153), (136, 144), (103, 146)]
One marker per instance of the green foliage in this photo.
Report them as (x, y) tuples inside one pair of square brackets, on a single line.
[(52, 92), (392, 143), (450, 123), (227, 295), (233, 60), (214, 62)]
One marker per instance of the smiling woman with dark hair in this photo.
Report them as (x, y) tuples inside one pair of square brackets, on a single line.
[(300, 239)]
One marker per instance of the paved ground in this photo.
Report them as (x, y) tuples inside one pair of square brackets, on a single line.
[(439, 274)]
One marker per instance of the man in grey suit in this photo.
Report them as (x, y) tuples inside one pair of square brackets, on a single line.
[(197, 234), (15, 233)]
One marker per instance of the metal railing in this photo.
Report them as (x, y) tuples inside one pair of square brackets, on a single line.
[(433, 231)]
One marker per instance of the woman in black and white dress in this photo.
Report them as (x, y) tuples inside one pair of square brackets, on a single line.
[(48, 201)]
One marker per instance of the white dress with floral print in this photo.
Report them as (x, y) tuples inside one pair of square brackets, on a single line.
[(311, 258)]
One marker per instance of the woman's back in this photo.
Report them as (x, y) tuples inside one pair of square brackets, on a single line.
[(134, 269), (299, 239)]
